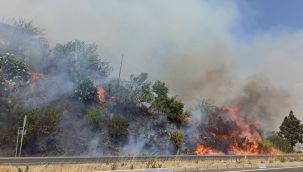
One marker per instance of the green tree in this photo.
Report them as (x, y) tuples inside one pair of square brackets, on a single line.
[(280, 143), (118, 128), (94, 116), (22, 38), (206, 106), (140, 90), (86, 91), (176, 138), (81, 60), (173, 108), (291, 129), (13, 69), (161, 98)]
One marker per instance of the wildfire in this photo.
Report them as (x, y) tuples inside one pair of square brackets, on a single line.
[(203, 150), (100, 94), (35, 77), (230, 132)]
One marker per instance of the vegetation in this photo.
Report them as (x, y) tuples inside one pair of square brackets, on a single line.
[(140, 90), (40, 122), (95, 116), (118, 128), (280, 143), (176, 138), (291, 129), (265, 146), (65, 100), (82, 60), (86, 91), (13, 69), (168, 105)]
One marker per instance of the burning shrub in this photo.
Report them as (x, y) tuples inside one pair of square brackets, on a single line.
[(118, 129), (86, 91), (94, 117), (176, 138), (265, 147), (227, 131)]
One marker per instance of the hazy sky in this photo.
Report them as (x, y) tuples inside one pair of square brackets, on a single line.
[(253, 37)]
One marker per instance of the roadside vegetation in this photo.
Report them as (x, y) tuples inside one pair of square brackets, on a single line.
[(68, 97)]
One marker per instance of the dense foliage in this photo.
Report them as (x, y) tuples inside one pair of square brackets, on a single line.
[(95, 116), (280, 143), (291, 129)]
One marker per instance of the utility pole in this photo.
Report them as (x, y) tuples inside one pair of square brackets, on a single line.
[(17, 144), (120, 71), (22, 134)]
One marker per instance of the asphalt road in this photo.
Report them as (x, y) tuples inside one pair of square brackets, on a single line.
[(110, 159), (289, 169)]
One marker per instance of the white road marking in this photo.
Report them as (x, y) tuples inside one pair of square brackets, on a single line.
[(266, 169)]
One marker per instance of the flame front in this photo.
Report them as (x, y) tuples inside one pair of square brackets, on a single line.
[(100, 94), (230, 132)]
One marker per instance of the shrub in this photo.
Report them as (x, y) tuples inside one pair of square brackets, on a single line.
[(86, 91), (94, 117), (40, 122), (176, 138), (265, 147), (118, 128), (280, 143)]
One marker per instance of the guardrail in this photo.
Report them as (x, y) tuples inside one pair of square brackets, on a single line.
[(112, 159)]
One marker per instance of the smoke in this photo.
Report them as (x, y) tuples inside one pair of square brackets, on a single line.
[(191, 45)]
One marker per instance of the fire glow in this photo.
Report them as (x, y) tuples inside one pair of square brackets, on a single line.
[(100, 95), (228, 131), (34, 77)]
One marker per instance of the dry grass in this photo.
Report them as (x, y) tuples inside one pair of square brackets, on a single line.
[(194, 164)]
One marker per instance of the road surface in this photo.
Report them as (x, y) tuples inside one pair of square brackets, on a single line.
[(282, 169), (111, 159)]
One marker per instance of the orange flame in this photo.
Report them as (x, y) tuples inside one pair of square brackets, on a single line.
[(204, 150), (244, 137), (35, 77), (100, 94)]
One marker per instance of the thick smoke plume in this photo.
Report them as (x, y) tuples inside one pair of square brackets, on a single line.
[(190, 45)]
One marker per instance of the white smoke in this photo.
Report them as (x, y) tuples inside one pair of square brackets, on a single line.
[(157, 36)]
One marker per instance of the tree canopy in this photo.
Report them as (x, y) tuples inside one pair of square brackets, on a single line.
[(291, 129)]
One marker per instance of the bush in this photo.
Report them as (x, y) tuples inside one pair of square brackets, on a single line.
[(12, 68), (265, 147), (94, 117), (40, 122), (280, 143), (176, 138), (118, 128), (86, 91)]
